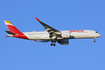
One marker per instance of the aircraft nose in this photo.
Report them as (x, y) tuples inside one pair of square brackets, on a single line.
[(99, 35)]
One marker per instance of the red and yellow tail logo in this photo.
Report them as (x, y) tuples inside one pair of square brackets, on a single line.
[(12, 28)]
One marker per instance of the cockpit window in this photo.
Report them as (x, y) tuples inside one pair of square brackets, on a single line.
[(96, 32)]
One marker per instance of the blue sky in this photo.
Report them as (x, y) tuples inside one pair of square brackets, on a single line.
[(80, 54)]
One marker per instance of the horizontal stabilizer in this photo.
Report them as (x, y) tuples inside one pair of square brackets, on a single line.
[(9, 32)]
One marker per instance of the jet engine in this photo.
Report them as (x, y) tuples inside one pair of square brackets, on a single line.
[(64, 42)]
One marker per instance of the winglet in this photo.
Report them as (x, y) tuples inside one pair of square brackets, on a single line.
[(37, 19)]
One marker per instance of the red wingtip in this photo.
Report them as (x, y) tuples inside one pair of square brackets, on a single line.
[(37, 19)]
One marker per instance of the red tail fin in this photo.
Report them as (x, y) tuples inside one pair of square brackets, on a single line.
[(12, 28)]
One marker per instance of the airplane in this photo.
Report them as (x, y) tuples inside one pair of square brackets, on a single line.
[(51, 34)]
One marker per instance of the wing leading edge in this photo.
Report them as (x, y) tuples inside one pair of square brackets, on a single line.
[(50, 29)]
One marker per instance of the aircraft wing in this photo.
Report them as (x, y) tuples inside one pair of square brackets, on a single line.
[(50, 30)]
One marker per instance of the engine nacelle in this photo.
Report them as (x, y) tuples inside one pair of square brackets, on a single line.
[(64, 42), (66, 35)]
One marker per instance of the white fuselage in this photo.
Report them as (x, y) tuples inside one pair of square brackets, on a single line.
[(68, 34), (51, 34)]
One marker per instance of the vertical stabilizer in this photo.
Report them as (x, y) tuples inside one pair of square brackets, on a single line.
[(12, 28)]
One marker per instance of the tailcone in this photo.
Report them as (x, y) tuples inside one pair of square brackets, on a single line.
[(9, 35)]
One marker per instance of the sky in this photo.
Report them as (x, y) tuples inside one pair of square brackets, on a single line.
[(80, 54)]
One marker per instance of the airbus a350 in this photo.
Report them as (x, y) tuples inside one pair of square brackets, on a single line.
[(51, 34)]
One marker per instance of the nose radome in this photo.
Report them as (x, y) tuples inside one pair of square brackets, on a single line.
[(99, 35)]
